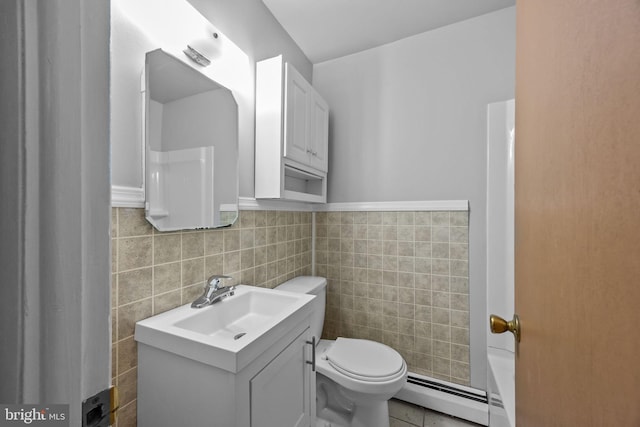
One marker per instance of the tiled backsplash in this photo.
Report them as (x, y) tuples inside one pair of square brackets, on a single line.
[(400, 278), (153, 272)]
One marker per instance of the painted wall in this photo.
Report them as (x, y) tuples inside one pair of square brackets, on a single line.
[(248, 24), (408, 122), (254, 29)]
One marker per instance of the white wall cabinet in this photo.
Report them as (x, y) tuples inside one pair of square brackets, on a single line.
[(292, 135), (277, 389), (306, 118), (319, 135)]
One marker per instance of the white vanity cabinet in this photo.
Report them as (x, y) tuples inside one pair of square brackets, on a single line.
[(292, 135), (275, 389), (280, 394)]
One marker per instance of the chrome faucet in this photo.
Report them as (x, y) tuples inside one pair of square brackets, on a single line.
[(213, 292)]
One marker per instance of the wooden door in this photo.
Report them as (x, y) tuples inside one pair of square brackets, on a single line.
[(578, 212)]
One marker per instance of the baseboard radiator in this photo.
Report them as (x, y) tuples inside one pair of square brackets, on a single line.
[(449, 398)]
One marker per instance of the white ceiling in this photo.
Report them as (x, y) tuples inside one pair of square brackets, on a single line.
[(327, 29)]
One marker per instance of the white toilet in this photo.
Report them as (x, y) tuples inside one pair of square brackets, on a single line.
[(355, 378)]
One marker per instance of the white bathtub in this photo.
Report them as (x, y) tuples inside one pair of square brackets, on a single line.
[(500, 260), (501, 393)]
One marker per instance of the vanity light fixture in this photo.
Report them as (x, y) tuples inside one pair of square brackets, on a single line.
[(202, 51)]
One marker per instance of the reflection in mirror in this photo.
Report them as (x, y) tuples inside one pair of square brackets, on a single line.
[(191, 147)]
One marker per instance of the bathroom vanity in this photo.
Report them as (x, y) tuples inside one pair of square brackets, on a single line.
[(292, 135), (245, 361)]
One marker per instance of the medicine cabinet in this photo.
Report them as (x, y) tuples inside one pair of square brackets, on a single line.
[(292, 135), (191, 146)]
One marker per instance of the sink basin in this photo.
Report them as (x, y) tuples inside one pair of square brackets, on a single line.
[(228, 334), (241, 313)]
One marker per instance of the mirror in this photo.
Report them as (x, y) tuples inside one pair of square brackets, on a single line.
[(191, 147)]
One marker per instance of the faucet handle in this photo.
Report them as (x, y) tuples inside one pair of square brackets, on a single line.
[(215, 280)]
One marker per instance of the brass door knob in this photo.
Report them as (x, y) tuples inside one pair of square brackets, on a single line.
[(498, 325)]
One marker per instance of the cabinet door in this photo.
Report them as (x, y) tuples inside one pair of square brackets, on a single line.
[(319, 135), (296, 117), (281, 392)]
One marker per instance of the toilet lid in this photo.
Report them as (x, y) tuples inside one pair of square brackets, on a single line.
[(365, 360)]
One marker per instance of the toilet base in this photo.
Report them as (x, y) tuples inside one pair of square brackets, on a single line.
[(364, 416), (341, 407), (371, 415), (336, 410), (324, 423), (321, 422)]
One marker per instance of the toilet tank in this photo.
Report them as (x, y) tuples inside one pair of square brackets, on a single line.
[(313, 285)]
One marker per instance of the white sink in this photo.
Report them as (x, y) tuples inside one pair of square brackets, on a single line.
[(228, 334), (241, 313)]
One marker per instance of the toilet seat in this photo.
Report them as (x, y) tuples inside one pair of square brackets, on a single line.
[(365, 360), (352, 379)]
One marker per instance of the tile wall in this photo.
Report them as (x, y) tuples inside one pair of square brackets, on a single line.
[(153, 272), (400, 278)]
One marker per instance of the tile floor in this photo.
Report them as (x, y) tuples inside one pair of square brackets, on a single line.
[(402, 414)]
